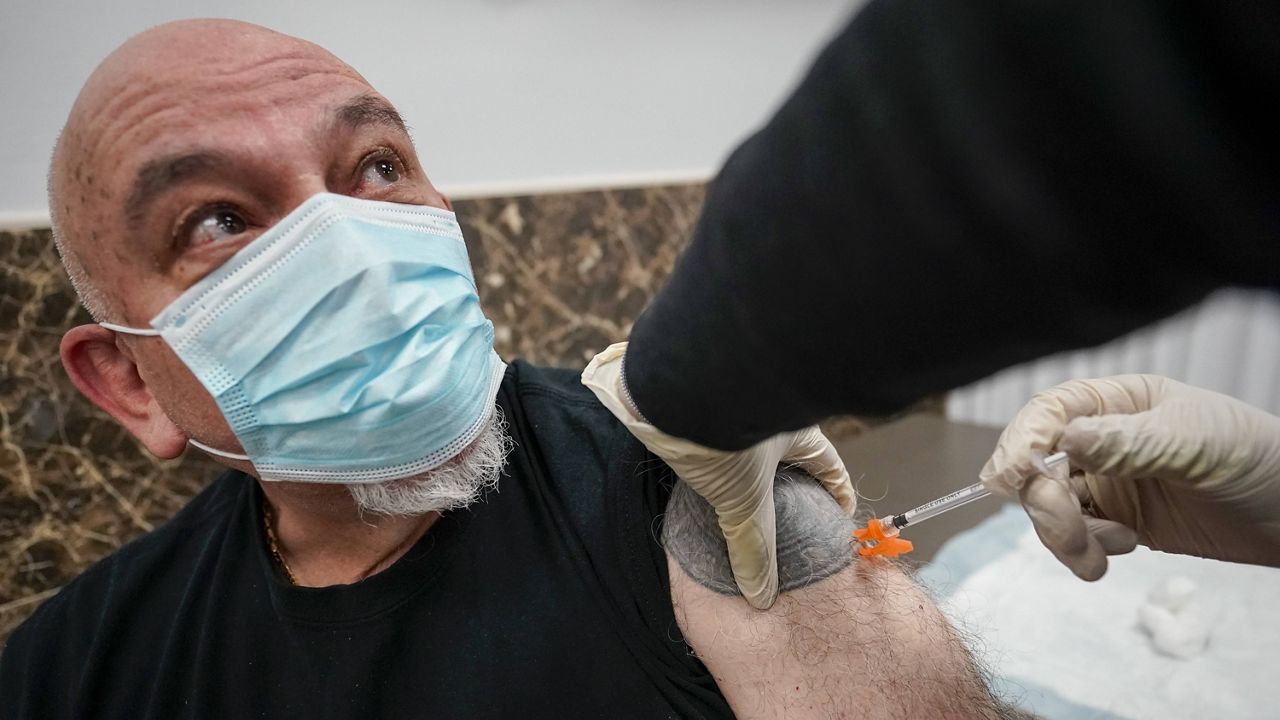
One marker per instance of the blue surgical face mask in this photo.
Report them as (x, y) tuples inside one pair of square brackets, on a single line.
[(345, 344)]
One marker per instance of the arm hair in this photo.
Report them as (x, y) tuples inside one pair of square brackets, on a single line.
[(862, 642)]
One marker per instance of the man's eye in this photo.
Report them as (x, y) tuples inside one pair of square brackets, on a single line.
[(216, 226), (381, 172)]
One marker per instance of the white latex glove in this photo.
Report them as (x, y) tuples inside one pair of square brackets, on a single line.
[(1177, 468), (739, 485)]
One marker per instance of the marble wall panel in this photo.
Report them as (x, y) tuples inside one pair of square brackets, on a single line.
[(73, 485)]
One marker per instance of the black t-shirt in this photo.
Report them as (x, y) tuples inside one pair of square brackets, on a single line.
[(548, 599)]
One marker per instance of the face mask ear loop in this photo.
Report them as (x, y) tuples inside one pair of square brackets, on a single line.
[(146, 332), (215, 451)]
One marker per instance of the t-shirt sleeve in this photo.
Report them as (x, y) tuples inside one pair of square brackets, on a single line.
[(951, 191), (639, 486), (15, 667), (607, 493), (40, 666)]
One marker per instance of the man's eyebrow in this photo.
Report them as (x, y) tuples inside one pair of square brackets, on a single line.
[(157, 176), (162, 174), (370, 110)]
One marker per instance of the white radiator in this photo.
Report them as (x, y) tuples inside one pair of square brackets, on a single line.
[(1229, 343)]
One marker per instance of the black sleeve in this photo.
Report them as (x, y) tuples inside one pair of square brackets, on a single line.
[(956, 187), (39, 676), (15, 664)]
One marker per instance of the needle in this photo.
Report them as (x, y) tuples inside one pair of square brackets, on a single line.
[(880, 537)]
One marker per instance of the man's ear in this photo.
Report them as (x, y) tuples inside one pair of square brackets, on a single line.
[(448, 204), (109, 378)]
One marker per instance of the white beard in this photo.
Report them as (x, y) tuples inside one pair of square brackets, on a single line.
[(456, 484)]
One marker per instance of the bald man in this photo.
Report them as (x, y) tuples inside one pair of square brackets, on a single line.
[(243, 214)]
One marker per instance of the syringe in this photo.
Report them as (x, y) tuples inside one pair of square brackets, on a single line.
[(880, 537)]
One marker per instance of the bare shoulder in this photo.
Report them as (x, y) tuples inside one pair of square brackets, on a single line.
[(853, 638)]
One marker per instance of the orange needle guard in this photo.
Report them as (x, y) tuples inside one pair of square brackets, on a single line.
[(873, 541)]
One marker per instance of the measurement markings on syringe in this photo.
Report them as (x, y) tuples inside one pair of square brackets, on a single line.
[(944, 500)]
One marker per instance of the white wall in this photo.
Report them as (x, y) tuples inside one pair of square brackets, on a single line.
[(502, 94), (1229, 343)]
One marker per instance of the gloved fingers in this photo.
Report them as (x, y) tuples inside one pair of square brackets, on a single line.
[(753, 553), (1143, 444), (812, 452), (1039, 424), (1035, 427), (1055, 513), (603, 376), (1115, 538)]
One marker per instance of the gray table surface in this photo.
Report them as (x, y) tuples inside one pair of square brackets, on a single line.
[(916, 459)]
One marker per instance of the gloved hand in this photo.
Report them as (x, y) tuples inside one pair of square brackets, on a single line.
[(1177, 468), (739, 485)]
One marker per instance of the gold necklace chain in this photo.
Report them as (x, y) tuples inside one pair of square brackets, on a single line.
[(269, 524)]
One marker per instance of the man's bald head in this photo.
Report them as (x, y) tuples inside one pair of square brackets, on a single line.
[(158, 85), (185, 145)]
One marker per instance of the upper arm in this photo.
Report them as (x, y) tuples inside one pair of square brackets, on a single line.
[(859, 640), (861, 643), (775, 663)]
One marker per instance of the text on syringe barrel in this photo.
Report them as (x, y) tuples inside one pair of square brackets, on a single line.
[(963, 496)]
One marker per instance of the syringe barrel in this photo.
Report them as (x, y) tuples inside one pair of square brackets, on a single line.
[(960, 497), (963, 496)]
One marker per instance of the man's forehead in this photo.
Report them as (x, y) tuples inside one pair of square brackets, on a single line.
[(167, 84), (189, 50)]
